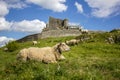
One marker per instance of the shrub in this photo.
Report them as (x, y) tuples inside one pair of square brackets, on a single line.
[(116, 35), (12, 46), (115, 31), (117, 38)]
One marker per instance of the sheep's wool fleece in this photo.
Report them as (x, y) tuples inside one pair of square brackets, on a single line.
[(45, 54)]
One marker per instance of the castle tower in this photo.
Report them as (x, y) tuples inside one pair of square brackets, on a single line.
[(65, 23), (55, 24)]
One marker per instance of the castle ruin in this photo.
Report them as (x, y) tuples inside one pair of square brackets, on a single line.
[(54, 28), (56, 24)]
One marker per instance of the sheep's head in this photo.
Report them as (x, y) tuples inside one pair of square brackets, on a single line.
[(63, 47), (59, 48)]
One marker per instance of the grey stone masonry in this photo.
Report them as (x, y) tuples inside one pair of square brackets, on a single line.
[(60, 33)]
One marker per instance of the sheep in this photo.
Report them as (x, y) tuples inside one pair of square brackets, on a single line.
[(34, 42), (5, 49), (72, 42), (45, 54)]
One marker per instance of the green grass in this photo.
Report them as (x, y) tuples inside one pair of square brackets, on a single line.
[(86, 61)]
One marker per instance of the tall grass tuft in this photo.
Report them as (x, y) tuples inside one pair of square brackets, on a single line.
[(12, 46)]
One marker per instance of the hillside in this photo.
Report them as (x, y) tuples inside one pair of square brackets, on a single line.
[(92, 59)]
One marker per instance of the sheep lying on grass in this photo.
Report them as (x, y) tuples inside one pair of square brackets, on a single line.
[(34, 42), (45, 54), (72, 42)]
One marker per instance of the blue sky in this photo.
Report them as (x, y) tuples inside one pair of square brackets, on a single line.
[(19, 18)]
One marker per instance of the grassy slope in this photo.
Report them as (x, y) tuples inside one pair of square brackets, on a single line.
[(86, 61)]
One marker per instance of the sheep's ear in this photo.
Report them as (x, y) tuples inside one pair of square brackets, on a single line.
[(60, 44), (58, 48)]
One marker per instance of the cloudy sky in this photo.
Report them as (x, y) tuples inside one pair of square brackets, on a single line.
[(19, 18)]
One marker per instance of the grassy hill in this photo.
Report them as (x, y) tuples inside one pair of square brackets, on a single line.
[(93, 59)]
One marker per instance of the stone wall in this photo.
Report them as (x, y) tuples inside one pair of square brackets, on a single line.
[(51, 33), (60, 33), (30, 38)]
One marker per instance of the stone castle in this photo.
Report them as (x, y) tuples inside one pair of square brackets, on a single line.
[(55, 28), (55, 24)]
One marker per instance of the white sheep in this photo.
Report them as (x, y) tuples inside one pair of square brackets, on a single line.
[(5, 49), (45, 54), (72, 42), (34, 42)]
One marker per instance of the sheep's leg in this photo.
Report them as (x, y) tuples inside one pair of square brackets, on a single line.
[(62, 57), (49, 61), (49, 58), (53, 61)]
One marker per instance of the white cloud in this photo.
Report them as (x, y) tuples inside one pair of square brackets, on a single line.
[(15, 3), (3, 9), (79, 7), (4, 40), (5, 5), (34, 26), (54, 5), (4, 25), (104, 8)]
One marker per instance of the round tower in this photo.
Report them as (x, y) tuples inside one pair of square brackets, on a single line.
[(65, 23)]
